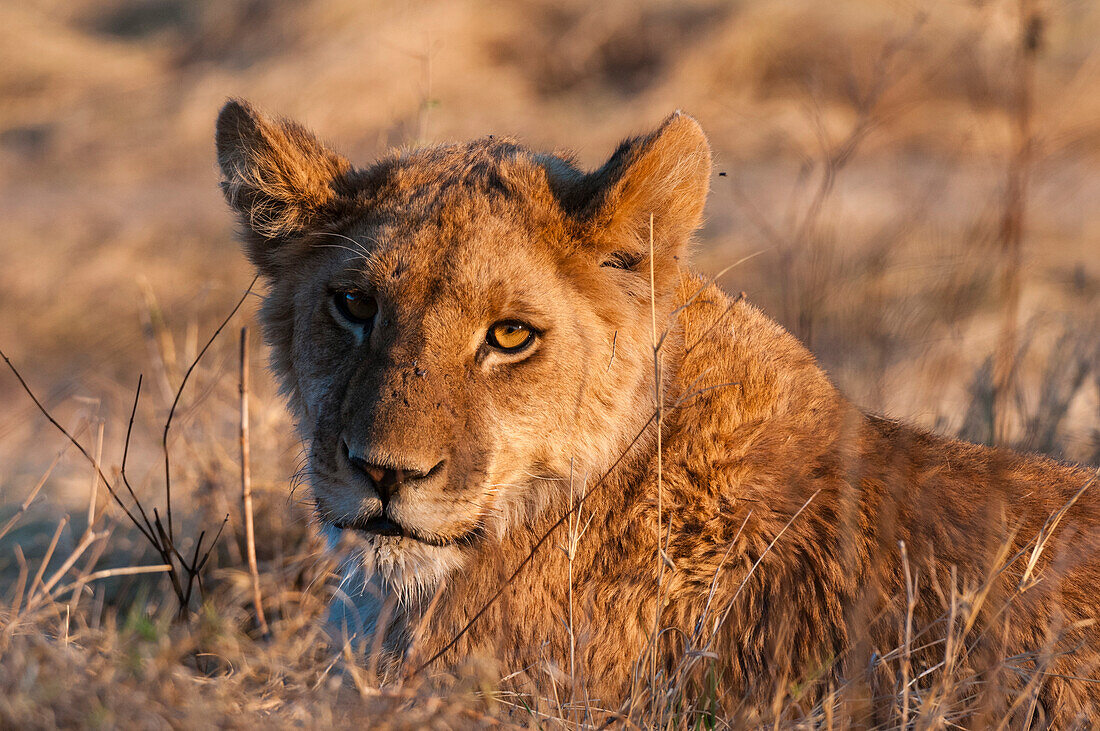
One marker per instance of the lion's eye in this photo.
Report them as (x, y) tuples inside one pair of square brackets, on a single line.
[(510, 336), (356, 307)]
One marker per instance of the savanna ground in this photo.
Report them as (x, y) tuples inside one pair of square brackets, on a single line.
[(912, 186)]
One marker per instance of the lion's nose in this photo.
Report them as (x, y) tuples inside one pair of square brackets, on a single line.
[(377, 473), (387, 478)]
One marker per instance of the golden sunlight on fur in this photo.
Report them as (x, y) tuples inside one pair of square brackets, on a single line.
[(493, 355)]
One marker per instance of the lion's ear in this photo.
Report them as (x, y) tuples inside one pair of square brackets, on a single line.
[(277, 175), (662, 177)]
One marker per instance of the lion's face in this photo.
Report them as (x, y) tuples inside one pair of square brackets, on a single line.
[(433, 357), (461, 330)]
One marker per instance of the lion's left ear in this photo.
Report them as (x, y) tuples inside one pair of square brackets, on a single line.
[(666, 175)]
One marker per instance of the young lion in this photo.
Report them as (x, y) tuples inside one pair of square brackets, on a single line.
[(466, 335)]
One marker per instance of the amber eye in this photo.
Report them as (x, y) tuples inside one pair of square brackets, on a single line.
[(510, 336), (356, 307)]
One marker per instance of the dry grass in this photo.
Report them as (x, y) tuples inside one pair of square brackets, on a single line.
[(873, 156)]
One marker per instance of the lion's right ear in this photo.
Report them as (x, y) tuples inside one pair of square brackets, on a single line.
[(277, 175)]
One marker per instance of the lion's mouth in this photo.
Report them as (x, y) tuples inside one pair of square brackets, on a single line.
[(381, 525)]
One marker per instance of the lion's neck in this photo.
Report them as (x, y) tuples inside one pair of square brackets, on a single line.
[(741, 367)]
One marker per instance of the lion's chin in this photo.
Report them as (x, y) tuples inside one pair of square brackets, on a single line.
[(412, 568)]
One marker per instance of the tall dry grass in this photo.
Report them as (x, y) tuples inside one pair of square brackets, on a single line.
[(881, 165)]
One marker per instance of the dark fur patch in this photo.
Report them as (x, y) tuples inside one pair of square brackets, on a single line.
[(622, 260)]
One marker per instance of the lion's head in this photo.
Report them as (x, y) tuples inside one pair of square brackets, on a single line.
[(460, 329)]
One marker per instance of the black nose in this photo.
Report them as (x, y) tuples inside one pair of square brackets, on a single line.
[(387, 478)]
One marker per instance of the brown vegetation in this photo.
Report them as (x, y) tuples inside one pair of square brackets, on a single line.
[(864, 151)]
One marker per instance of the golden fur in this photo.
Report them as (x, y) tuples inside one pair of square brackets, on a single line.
[(782, 508)]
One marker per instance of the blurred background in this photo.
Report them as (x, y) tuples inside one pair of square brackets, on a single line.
[(916, 184)]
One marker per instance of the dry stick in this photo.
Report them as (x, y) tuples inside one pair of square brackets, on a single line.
[(93, 560), (164, 551), (86, 540), (1013, 221), (26, 504), (196, 566), (49, 554), (571, 545), (175, 403), (78, 585), (658, 398), (577, 529), (838, 156), (24, 572), (93, 492), (910, 605), (246, 488), (20, 585), (126, 453), (78, 445)]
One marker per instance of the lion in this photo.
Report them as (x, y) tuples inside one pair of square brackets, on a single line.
[(540, 437)]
